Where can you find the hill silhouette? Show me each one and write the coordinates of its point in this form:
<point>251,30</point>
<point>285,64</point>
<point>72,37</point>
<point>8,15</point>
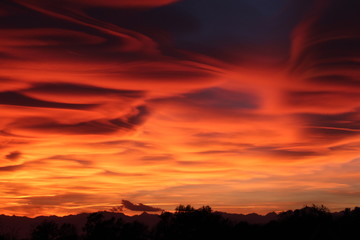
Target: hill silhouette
<point>310,222</point>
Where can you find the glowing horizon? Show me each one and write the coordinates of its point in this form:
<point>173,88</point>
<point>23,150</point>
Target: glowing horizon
<point>245,106</point>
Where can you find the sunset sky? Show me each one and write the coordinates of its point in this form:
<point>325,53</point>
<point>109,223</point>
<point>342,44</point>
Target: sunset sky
<point>243,105</point>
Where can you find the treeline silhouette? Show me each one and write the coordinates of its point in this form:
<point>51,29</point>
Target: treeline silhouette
<point>188,223</point>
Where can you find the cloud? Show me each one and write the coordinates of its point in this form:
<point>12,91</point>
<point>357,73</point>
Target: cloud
<point>80,93</point>
<point>331,127</point>
<point>46,38</point>
<point>283,153</point>
<point>122,174</point>
<point>159,73</point>
<point>337,80</point>
<point>71,158</point>
<point>352,146</point>
<point>278,152</point>
<point>59,199</point>
<point>18,99</point>
<point>321,101</point>
<point>104,126</point>
<point>15,155</point>
<point>155,158</point>
<point>125,3</point>
<point>216,98</point>
<point>11,168</point>
<point>142,112</point>
<point>325,44</point>
<point>99,126</point>
<point>347,120</point>
<point>139,207</point>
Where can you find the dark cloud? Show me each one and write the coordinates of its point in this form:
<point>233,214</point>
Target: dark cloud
<point>18,99</point>
<point>13,155</point>
<point>89,127</point>
<point>101,126</point>
<point>320,94</point>
<point>337,80</point>
<point>47,38</point>
<point>122,174</point>
<point>161,157</point>
<point>278,151</point>
<point>124,3</point>
<point>322,100</point>
<point>139,207</point>
<point>91,35</point>
<point>212,152</point>
<point>335,51</point>
<point>189,24</point>
<point>349,121</point>
<point>142,112</point>
<point>217,98</point>
<point>211,135</point>
<point>126,143</point>
<point>353,146</point>
<point>185,75</point>
<point>327,40</point>
<point>77,89</point>
<point>222,98</point>
<point>12,143</point>
<point>282,152</point>
<point>59,200</point>
<point>329,134</point>
<point>63,29</point>
<point>150,21</point>
<point>11,168</point>
<point>226,28</point>
<point>6,56</point>
<point>190,163</point>
<point>71,158</point>
<point>330,127</point>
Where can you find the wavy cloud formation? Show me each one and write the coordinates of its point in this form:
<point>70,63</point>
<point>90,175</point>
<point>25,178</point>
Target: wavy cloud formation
<point>242,105</point>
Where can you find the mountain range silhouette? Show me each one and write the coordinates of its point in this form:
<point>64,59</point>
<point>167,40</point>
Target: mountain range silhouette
<point>309,222</point>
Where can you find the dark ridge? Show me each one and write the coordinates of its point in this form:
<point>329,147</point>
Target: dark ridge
<point>310,222</point>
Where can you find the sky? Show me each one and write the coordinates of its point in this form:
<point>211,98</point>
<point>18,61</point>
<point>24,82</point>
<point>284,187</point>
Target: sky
<point>243,105</point>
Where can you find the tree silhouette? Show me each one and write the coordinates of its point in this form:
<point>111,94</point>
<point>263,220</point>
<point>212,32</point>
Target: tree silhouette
<point>49,230</point>
<point>97,227</point>
<point>67,232</point>
<point>190,223</point>
<point>134,231</point>
<point>348,223</point>
<point>313,222</point>
<point>7,237</point>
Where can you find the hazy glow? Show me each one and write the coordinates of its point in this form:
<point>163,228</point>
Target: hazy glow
<point>108,100</point>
